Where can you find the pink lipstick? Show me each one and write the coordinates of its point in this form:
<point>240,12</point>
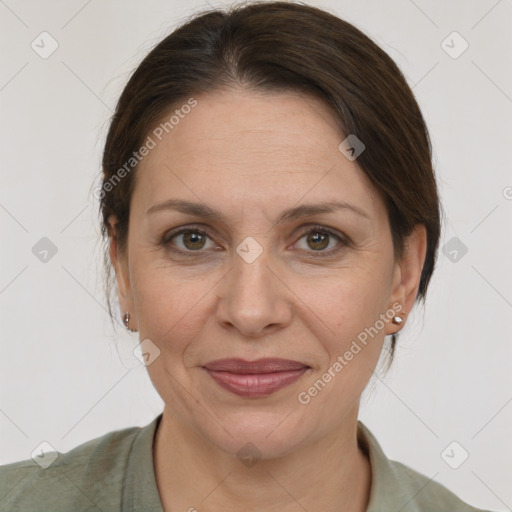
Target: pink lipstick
<point>255,379</point>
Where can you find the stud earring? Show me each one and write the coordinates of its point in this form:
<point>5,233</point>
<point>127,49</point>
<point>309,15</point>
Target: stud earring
<point>397,320</point>
<point>126,320</point>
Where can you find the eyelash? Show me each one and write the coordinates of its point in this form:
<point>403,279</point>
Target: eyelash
<point>166,240</point>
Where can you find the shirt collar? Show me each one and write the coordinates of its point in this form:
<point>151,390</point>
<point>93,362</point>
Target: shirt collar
<point>140,491</point>
<point>388,491</point>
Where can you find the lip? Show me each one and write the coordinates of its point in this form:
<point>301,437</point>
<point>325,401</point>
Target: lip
<point>243,367</point>
<point>255,378</point>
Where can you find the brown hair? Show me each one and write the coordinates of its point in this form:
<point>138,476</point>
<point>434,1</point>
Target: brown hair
<point>283,46</point>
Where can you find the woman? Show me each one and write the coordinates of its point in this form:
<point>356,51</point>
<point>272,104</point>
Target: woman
<point>271,213</point>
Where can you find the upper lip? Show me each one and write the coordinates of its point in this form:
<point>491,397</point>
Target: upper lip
<point>241,366</point>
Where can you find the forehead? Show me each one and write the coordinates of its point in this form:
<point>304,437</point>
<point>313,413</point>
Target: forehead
<point>259,148</point>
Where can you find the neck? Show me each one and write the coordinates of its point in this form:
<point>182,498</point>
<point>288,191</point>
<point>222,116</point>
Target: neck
<point>329,474</point>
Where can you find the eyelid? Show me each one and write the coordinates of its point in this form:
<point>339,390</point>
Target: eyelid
<point>180,230</point>
<point>326,229</point>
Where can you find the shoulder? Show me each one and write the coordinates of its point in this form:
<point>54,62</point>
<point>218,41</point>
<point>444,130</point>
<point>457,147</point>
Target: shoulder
<point>88,477</point>
<point>396,486</point>
<point>426,494</point>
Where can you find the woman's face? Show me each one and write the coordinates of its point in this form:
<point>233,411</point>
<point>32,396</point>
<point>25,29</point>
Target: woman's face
<point>253,283</point>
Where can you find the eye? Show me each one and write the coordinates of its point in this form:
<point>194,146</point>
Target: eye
<point>189,240</point>
<point>319,238</point>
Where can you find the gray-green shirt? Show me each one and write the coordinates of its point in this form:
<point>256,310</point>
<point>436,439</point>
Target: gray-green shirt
<point>115,472</point>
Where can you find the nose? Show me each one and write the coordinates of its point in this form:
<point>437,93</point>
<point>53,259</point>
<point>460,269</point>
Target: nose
<point>253,297</point>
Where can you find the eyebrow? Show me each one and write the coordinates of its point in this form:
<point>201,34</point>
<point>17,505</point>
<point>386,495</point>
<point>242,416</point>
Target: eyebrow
<point>303,210</point>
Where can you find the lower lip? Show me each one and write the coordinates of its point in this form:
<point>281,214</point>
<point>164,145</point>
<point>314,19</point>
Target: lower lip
<point>255,385</point>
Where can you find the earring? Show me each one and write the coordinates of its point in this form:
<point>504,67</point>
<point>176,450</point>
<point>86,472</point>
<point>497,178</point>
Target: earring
<point>397,320</point>
<point>126,320</point>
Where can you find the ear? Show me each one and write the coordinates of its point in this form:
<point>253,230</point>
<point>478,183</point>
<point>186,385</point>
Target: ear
<point>407,275</point>
<point>120,264</point>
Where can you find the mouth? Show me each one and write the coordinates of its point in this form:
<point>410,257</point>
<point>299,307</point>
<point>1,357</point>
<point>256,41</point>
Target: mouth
<point>255,379</point>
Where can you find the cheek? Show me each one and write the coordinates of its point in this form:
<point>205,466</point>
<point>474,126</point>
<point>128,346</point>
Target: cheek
<point>349,301</point>
<point>351,308</point>
<point>169,306</point>
<point>349,325</point>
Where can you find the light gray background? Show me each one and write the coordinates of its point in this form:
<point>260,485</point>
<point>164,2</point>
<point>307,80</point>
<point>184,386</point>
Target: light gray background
<point>67,376</point>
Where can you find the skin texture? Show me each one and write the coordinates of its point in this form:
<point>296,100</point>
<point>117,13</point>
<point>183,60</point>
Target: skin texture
<point>250,156</point>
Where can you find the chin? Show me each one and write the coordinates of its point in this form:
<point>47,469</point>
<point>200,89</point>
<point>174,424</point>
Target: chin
<point>259,435</point>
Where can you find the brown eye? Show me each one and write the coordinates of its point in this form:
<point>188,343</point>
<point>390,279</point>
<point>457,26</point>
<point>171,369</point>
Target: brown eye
<point>186,240</point>
<point>319,239</point>
<point>193,240</point>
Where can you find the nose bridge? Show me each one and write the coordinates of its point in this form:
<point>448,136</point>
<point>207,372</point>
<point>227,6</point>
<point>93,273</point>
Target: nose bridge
<point>252,300</point>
